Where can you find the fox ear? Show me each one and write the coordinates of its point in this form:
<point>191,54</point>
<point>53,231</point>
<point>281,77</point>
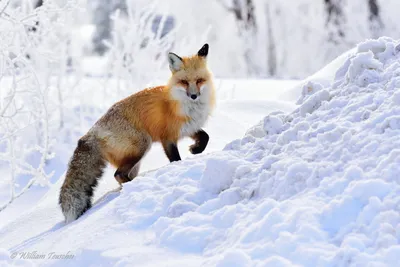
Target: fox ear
<point>203,52</point>
<point>175,62</point>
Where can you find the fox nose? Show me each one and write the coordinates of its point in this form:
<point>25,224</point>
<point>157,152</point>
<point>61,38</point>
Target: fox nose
<point>193,96</point>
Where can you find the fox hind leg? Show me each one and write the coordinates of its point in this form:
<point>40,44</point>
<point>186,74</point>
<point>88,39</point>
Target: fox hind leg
<point>134,171</point>
<point>128,170</point>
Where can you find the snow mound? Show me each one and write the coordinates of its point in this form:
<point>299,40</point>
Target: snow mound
<point>328,175</point>
<point>317,187</point>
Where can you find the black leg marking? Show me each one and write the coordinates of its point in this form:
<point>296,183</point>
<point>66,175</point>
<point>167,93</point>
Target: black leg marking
<point>122,173</point>
<point>171,150</point>
<point>201,140</point>
<point>121,177</point>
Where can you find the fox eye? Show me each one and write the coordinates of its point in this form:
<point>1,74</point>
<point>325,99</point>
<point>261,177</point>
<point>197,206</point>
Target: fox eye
<point>200,80</point>
<point>184,82</point>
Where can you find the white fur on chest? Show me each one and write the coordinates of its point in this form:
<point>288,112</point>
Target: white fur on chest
<point>198,112</point>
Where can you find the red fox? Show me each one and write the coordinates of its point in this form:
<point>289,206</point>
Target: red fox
<point>124,134</point>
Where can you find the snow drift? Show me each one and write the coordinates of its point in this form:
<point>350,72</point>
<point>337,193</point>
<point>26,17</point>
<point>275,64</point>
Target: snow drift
<point>316,187</point>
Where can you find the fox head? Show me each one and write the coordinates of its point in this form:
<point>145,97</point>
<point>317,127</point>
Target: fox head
<point>191,79</point>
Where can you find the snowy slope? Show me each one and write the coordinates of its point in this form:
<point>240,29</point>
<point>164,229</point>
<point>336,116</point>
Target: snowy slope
<point>240,105</point>
<point>316,186</point>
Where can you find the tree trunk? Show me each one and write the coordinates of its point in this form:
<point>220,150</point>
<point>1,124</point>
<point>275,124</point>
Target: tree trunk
<point>335,20</point>
<point>102,11</point>
<point>375,21</point>
<point>244,13</point>
<point>247,28</point>
<point>39,3</point>
<point>247,25</point>
<point>271,52</point>
<point>102,20</point>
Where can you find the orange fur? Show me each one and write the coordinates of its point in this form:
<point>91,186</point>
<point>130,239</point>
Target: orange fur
<point>155,113</point>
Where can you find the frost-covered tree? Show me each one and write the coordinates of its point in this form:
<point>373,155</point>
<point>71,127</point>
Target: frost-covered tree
<point>138,36</point>
<point>271,46</point>
<point>374,17</point>
<point>335,20</point>
<point>101,19</point>
<point>245,18</point>
<point>32,95</point>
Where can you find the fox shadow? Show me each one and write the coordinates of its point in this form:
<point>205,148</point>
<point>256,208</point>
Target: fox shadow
<point>97,205</point>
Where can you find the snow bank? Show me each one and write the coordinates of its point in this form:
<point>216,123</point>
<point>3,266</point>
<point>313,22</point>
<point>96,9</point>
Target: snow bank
<point>317,187</point>
<point>323,77</point>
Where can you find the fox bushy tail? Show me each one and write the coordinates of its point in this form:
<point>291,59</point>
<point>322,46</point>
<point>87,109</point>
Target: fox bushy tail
<point>84,169</point>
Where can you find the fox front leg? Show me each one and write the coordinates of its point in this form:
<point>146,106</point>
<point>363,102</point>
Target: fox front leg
<point>201,140</point>
<point>171,150</point>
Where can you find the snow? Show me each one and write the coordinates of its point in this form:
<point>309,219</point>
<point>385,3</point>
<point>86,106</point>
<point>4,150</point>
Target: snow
<point>311,184</point>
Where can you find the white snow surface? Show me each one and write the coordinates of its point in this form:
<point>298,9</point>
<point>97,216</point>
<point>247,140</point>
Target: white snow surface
<point>314,185</point>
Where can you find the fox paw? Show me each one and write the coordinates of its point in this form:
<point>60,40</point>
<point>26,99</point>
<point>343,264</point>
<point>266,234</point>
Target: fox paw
<point>121,178</point>
<point>196,149</point>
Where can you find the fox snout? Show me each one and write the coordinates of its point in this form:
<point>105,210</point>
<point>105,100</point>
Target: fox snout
<point>192,92</point>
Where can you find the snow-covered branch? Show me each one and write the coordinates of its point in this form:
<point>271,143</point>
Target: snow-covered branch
<point>27,112</point>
